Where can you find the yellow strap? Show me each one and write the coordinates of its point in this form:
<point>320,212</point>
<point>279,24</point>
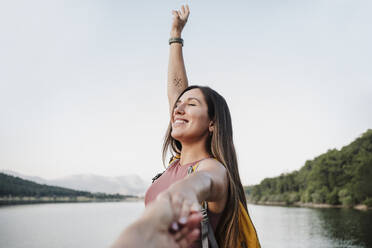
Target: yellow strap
<point>173,160</point>
<point>195,166</point>
<point>247,232</point>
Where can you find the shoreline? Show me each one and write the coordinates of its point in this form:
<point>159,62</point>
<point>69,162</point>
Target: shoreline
<point>360,207</point>
<point>20,200</point>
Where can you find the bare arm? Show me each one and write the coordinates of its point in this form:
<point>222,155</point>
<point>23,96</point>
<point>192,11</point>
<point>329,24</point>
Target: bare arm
<point>209,183</point>
<point>177,78</point>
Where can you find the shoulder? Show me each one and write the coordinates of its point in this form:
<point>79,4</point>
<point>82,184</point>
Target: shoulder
<point>211,164</point>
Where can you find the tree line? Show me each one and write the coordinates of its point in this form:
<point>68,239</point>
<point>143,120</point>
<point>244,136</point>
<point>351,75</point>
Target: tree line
<point>337,177</point>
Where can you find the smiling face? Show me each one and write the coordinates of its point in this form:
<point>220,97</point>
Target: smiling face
<point>190,120</point>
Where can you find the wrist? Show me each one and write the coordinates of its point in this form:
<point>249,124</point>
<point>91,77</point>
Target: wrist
<point>178,188</point>
<point>204,182</point>
<point>175,40</point>
<point>175,34</point>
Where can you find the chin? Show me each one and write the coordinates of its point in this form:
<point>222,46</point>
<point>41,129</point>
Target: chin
<point>177,136</point>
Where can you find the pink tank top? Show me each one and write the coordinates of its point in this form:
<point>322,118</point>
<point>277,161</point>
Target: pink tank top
<point>174,173</point>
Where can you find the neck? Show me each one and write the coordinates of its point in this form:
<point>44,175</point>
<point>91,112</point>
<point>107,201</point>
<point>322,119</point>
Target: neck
<point>193,152</point>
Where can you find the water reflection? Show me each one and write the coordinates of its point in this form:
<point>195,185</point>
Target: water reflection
<point>306,227</point>
<point>96,225</point>
<point>347,227</point>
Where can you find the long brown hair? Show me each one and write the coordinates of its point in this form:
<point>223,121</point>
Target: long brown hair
<point>221,146</point>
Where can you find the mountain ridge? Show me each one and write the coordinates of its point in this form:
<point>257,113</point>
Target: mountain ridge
<point>126,185</point>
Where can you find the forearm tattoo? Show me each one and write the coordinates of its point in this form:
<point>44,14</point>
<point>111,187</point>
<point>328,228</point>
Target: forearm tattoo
<point>178,82</point>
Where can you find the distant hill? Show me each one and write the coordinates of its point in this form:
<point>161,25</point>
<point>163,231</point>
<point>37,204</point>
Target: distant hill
<point>337,177</point>
<point>126,185</point>
<point>11,186</point>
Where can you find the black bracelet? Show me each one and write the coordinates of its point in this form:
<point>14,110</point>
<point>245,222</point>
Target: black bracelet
<point>176,40</point>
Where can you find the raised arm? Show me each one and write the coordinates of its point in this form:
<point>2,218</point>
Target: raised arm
<point>177,78</point>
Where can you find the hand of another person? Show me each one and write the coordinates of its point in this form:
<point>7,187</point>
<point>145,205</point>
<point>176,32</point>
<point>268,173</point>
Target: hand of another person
<point>179,20</point>
<point>186,231</point>
<point>184,201</point>
<point>153,228</point>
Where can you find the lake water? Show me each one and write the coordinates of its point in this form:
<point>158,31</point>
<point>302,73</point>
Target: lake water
<point>98,225</point>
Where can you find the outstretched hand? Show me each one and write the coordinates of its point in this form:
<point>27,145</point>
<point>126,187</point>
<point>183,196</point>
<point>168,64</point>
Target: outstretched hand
<point>178,233</point>
<point>159,227</point>
<point>179,20</point>
<point>183,202</point>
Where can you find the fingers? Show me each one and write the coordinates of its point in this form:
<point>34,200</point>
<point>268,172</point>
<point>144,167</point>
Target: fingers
<point>183,13</point>
<point>183,205</point>
<point>194,220</point>
<point>181,234</point>
<point>174,228</point>
<point>190,211</point>
<point>195,207</point>
<point>186,213</point>
<point>185,210</point>
<point>161,211</point>
<point>189,231</point>
<point>175,13</point>
<point>177,204</point>
<point>180,14</point>
<point>192,236</point>
<point>183,10</point>
<point>187,11</point>
<point>189,238</point>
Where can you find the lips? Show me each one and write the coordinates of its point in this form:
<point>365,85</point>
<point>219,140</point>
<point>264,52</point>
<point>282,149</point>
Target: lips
<point>180,121</point>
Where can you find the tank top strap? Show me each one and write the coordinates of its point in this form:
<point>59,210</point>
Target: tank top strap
<point>194,165</point>
<point>197,163</point>
<point>174,160</point>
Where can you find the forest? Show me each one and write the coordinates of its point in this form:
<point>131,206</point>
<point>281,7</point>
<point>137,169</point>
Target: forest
<point>337,177</point>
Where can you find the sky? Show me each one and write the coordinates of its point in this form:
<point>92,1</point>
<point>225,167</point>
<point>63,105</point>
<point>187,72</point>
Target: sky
<point>83,83</point>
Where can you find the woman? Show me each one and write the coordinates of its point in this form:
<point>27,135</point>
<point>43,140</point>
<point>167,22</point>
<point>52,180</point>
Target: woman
<point>199,133</point>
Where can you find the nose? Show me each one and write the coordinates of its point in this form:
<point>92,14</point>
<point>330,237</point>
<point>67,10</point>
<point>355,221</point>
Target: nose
<point>179,109</point>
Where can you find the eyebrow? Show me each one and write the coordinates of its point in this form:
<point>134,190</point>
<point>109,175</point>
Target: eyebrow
<point>190,98</point>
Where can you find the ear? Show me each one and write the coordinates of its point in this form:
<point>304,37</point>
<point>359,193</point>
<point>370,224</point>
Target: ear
<point>211,126</point>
